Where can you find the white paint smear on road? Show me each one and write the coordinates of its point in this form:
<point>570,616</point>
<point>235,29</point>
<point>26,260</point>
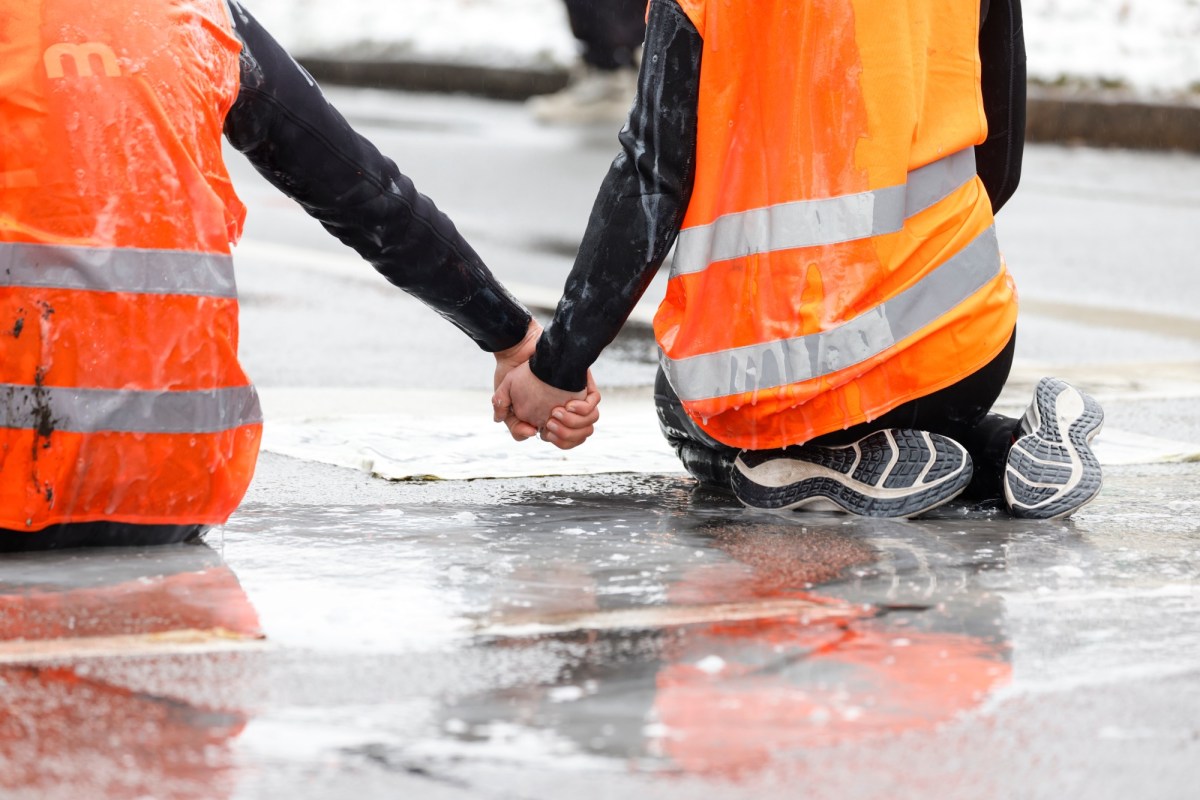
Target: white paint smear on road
<point>443,439</point>
<point>401,435</point>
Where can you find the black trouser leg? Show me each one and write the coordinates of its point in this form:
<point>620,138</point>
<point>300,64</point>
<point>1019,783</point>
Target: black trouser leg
<point>609,30</point>
<point>988,442</point>
<point>960,411</point>
<point>706,459</point>
<point>97,534</point>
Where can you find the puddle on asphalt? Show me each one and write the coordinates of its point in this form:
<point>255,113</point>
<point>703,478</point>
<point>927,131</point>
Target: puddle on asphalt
<point>106,664</point>
<point>643,622</point>
<point>611,623</point>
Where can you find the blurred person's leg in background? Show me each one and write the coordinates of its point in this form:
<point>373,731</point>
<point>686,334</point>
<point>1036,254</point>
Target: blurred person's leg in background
<point>602,86</point>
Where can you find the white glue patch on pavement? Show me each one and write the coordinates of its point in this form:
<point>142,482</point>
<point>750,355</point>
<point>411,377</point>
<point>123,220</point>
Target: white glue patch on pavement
<point>401,435</point>
<point>411,435</point>
<point>1110,384</point>
<point>1119,448</point>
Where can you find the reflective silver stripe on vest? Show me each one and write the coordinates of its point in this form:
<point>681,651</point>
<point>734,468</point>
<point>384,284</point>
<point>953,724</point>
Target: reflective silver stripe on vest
<point>99,269</point>
<point>807,223</point>
<point>787,361</point>
<point>46,408</point>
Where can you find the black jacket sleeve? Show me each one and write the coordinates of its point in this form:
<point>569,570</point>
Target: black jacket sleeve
<point>1002,53</point>
<point>640,205</point>
<point>303,146</point>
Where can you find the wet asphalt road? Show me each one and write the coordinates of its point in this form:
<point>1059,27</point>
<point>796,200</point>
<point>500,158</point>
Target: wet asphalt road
<point>625,635</point>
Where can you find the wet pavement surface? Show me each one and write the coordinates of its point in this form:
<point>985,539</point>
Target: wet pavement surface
<point>627,635</point>
<point>603,635</point>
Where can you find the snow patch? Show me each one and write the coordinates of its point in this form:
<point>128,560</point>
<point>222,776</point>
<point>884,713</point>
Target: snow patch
<point>1150,46</point>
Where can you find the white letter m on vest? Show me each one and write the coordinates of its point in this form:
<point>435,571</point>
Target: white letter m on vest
<point>81,56</point>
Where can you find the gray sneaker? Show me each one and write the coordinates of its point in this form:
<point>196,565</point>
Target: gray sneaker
<point>1051,469</point>
<point>889,473</point>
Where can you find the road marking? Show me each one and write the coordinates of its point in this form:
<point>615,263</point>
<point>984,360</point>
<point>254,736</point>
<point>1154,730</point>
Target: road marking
<point>808,612</point>
<point>181,642</point>
<point>1115,318</point>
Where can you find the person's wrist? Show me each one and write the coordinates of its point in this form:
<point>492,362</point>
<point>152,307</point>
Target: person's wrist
<point>521,352</point>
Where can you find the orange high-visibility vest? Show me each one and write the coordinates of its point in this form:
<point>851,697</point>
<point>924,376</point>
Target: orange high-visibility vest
<point>838,256</point>
<point>121,397</point>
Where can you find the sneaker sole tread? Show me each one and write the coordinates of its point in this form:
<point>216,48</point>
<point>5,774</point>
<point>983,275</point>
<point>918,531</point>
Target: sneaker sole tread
<point>874,477</point>
<point>1052,471</point>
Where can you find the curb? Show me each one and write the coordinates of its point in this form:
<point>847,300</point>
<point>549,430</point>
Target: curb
<point>1075,117</point>
<point>497,83</point>
<point>1112,119</point>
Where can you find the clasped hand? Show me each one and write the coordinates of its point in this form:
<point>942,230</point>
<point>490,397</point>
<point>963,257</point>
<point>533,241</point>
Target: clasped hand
<point>529,407</point>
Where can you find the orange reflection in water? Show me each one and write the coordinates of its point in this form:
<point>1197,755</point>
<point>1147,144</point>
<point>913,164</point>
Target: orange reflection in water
<point>736,697</point>
<point>733,698</point>
<point>205,600</point>
<point>63,734</point>
<point>96,698</point>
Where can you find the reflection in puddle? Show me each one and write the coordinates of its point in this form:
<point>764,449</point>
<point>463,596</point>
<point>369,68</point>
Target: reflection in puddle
<point>608,624</point>
<point>681,688</point>
<point>734,699</point>
<point>674,632</point>
<point>133,723</point>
